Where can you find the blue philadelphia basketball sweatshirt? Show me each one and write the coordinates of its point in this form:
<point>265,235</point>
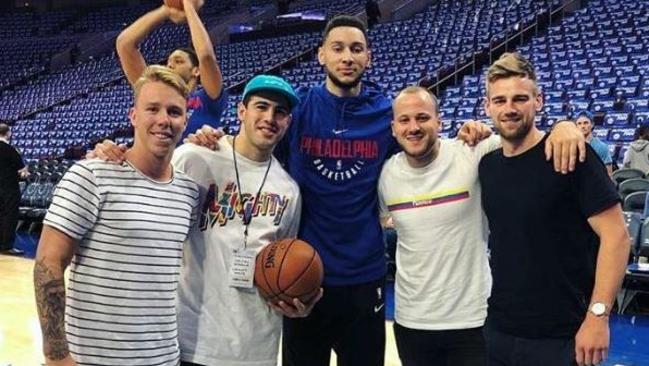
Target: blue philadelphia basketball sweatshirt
<point>335,148</point>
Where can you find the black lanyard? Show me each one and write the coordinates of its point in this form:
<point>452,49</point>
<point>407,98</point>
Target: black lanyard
<point>247,214</point>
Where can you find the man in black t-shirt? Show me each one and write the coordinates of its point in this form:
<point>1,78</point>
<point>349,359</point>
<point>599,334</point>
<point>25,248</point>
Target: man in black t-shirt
<point>11,169</point>
<point>558,242</point>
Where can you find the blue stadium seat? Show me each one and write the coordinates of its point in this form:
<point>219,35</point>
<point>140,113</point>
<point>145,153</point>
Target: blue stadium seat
<point>641,118</point>
<point>603,104</point>
<point>621,134</point>
<point>601,133</point>
<point>596,93</point>
<point>616,119</point>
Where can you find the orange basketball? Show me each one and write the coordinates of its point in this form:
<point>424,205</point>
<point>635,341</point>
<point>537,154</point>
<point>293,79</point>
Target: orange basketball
<point>287,269</point>
<point>178,4</point>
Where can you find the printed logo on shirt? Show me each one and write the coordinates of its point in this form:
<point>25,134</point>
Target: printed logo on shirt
<point>436,198</point>
<point>339,159</point>
<point>222,206</point>
<point>193,103</point>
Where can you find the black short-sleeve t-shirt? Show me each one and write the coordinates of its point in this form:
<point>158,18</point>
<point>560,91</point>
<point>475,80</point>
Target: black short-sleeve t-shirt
<point>543,251</point>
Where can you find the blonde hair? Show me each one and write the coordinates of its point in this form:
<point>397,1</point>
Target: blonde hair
<point>414,89</point>
<point>164,75</point>
<point>511,64</point>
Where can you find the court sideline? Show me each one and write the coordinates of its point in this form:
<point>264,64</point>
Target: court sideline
<point>20,337</point>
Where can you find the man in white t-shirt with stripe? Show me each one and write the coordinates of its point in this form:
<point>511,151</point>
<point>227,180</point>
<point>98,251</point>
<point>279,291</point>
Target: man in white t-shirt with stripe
<point>431,191</point>
<point>120,228</point>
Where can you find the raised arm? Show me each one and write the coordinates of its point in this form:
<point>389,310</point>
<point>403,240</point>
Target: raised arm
<point>211,77</point>
<point>128,41</point>
<point>592,340</point>
<point>54,254</point>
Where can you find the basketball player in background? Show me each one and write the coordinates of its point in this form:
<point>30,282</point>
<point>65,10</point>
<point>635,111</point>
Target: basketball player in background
<point>121,229</point>
<point>197,66</point>
<point>247,201</point>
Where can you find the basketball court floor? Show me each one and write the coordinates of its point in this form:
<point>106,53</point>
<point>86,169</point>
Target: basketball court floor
<point>20,339</point>
<point>20,335</point>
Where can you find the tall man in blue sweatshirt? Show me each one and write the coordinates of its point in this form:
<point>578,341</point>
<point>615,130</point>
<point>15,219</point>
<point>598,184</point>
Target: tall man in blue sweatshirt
<point>338,142</point>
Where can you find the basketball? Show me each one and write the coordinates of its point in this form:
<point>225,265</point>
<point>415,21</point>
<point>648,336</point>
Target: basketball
<point>287,269</point>
<point>178,4</point>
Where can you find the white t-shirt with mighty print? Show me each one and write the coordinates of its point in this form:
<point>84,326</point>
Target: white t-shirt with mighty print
<point>220,324</point>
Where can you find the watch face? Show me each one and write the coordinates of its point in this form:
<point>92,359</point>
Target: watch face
<point>598,308</point>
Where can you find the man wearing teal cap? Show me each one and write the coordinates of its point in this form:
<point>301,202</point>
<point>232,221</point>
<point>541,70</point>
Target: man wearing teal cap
<point>273,84</point>
<point>247,200</point>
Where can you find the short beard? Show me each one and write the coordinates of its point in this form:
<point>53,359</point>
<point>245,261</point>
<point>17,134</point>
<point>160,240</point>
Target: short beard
<point>428,155</point>
<point>518,135</point>
<point>342,85</point>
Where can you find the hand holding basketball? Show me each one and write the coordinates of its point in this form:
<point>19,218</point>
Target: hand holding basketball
<point>180,4</point>
<point>176,9</point>
<point>296,309</point>
<point>286,270</point>
<point>175,4</point>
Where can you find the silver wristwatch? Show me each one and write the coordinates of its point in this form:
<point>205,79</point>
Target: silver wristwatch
<point>598,309</point>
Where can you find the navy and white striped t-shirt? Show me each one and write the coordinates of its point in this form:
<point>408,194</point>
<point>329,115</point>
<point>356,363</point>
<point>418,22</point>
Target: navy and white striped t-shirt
<point>121,296</point>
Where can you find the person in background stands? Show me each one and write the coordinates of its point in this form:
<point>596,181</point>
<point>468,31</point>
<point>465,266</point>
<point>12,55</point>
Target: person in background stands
<point>637,156</point>
<point>12,168</point>
<point>585,123</point>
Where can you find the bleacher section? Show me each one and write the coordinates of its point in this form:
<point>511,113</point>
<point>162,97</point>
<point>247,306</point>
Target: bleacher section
<point>100,112</point>
<point>444,32</point>
<point>404,51</point>
<point>597,59</point>
<point>91,83</point>
<point>28,56</point>
<point>107,19</point>
<point>594,59</point>
<point>17,25</point>
<point>31,24</point>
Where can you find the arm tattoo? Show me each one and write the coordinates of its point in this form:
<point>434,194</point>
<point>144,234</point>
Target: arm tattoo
<point>50,301</point>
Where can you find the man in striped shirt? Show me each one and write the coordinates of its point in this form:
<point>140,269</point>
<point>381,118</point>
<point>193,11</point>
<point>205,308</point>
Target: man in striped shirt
<point>121,229</point>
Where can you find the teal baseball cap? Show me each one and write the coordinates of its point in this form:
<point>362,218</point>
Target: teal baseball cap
<point>274,84</point>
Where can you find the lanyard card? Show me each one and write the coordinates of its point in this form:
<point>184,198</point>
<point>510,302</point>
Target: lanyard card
<point>242,268</point>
